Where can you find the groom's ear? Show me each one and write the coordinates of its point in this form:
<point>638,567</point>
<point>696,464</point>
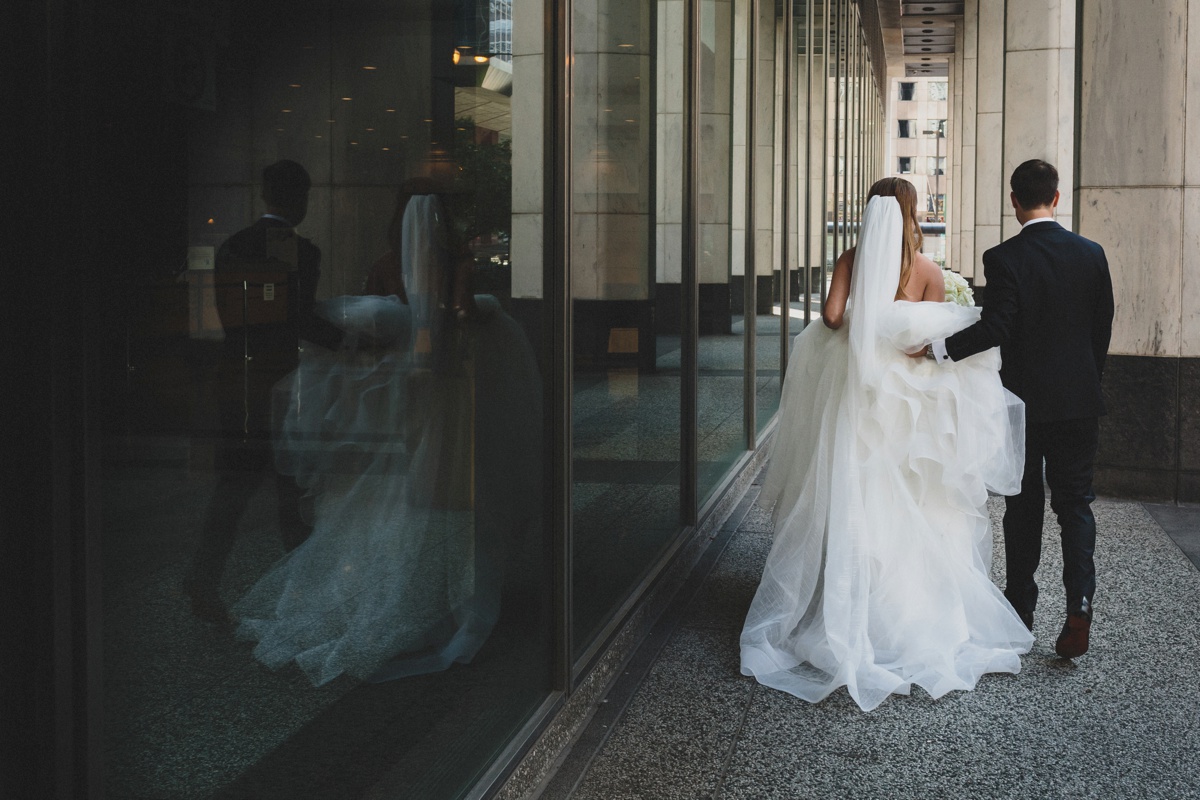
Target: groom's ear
<point>1012,198</point>
<point>1054,202</point>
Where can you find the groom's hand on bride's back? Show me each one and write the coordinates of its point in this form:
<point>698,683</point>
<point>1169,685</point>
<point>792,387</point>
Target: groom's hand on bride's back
<point>920,353</point>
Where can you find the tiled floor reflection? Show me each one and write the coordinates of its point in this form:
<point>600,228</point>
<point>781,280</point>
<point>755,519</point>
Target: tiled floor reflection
<point>189,713</point>
<point>626,468</point>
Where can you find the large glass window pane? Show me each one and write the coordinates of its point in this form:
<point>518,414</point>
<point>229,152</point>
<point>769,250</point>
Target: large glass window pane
<point>721,380</point>
<point>325,565</point>
<point>626,219</point>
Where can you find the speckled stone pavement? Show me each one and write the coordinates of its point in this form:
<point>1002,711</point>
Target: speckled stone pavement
<point>1123,721</point>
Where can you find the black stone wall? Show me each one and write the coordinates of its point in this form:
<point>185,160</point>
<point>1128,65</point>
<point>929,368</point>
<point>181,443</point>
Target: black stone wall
<point>1150,440</point>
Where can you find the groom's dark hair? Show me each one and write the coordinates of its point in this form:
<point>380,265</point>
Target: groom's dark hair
<point>1034,183</point>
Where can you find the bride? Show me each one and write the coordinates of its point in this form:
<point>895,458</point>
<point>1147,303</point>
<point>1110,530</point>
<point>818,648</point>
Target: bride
<point>879,574</point>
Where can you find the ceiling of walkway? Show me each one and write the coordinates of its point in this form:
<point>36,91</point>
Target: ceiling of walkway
<point>919,35</point>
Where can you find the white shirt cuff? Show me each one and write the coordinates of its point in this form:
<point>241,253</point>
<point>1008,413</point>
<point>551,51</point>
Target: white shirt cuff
<point>939,352</point>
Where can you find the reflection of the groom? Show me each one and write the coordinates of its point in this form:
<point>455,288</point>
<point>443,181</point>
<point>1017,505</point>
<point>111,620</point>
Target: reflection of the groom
<point>428,475</point>
<point>266,278</point>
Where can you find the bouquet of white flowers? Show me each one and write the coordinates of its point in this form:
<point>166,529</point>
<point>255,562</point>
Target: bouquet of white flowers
<point>957,289</point>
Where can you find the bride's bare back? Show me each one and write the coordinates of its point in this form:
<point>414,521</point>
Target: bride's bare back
<point>925,283</point>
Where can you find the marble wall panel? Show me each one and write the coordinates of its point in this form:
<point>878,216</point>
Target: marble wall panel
<point>1035,24</point>
<point>586,266</point>
<point>990,54</point>
<point>970,106</point>
<point>528,121</point>
<point>1141,232</point>
<point>668,267</point>
<point>716,56</point>
<point>1189,291</point>
<point>529,27</point>
<point>969,267</point>
<point>986,237</point>
<point>764,250</point>
<point>669,168</point>
<point>623,242</point>
<point>1009,227</point>
<point>737,186</point>
<point>526,255</point>
<point>737,252</point>
<point>1064,159</point>
<point>1192,153</point>
<point>669,58</point>
<point>764,188</point>
<point>1133,93</point>
<point>991,188</point>
<point>1034,99</point>
<point>968,189</point>
<point>715,158</point>
<point>714,253</point>
<point>970,30</point>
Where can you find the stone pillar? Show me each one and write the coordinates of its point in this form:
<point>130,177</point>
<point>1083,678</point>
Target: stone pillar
<point>1139,196</point>
<point>967,264</point>
<point>989,131</point>
<point>954,160</point>
<point>1039,97</point>
<point>528,100</point>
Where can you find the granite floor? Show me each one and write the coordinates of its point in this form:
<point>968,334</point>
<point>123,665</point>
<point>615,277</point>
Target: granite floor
<point>1121,721</point>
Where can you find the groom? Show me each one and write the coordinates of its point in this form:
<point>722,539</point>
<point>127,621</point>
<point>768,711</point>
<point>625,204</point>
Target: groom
<point>1049,307</point>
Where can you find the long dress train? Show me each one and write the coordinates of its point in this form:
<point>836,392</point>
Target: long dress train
<point>878,578</point>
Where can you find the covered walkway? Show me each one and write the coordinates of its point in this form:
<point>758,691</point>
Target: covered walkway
<point>1122,721</point>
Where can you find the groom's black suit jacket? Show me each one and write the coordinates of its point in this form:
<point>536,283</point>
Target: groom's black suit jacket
<point>1048,305</point>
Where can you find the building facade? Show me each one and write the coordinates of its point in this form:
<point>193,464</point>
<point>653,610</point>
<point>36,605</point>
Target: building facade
<point>408,350</point>
<point>378,366</point>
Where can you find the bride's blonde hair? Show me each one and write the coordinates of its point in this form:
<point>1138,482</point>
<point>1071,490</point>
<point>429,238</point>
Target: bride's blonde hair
<point>906,196</point>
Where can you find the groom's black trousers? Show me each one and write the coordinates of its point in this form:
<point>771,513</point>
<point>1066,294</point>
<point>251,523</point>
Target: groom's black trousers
<point>1068,449</point>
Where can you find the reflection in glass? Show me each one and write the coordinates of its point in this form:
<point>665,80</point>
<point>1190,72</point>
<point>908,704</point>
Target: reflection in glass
<point>722,436</point>
<point>625,277</point>
<point>324,558</point>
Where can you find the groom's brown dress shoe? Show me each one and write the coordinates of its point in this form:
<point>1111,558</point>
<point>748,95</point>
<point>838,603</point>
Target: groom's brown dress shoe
<point>1073,641</point>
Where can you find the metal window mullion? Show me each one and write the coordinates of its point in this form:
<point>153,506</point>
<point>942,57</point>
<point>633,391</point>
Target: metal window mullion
<point>785,273</point>
<point>750,269</point>
<point>690,288</point>
<point>557,322</point>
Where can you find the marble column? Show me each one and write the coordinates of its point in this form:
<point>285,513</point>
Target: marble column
<point>669,159</point>
<point>764,150</point>
<point>967,263</point>
<point>955,143</point>
<point>989,130</point>
<point>1138,195</point>
<point>1039,97</point>
<point>528,114</point>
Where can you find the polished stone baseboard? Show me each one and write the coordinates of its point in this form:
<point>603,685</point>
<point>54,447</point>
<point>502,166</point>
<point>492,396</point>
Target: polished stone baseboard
<point>1150,440</point>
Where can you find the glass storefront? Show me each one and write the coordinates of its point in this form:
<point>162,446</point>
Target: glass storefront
<point>421,334</point>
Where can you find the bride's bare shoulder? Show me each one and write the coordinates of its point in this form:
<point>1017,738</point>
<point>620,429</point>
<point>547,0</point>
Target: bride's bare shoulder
<point>928,277</point>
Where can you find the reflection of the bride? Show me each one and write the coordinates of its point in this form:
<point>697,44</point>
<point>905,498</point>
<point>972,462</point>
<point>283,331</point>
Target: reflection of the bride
<point>419,442</point>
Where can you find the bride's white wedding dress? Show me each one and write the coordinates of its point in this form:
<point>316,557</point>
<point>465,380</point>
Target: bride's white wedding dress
<point>879,574</point>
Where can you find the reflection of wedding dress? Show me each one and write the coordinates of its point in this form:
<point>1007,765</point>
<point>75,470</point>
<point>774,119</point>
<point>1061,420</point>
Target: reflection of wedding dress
<point>396,579</point>
<point>878,578</point>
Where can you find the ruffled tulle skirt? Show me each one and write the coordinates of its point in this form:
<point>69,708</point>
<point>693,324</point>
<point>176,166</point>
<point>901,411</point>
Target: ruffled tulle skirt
<point>878,578</point>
